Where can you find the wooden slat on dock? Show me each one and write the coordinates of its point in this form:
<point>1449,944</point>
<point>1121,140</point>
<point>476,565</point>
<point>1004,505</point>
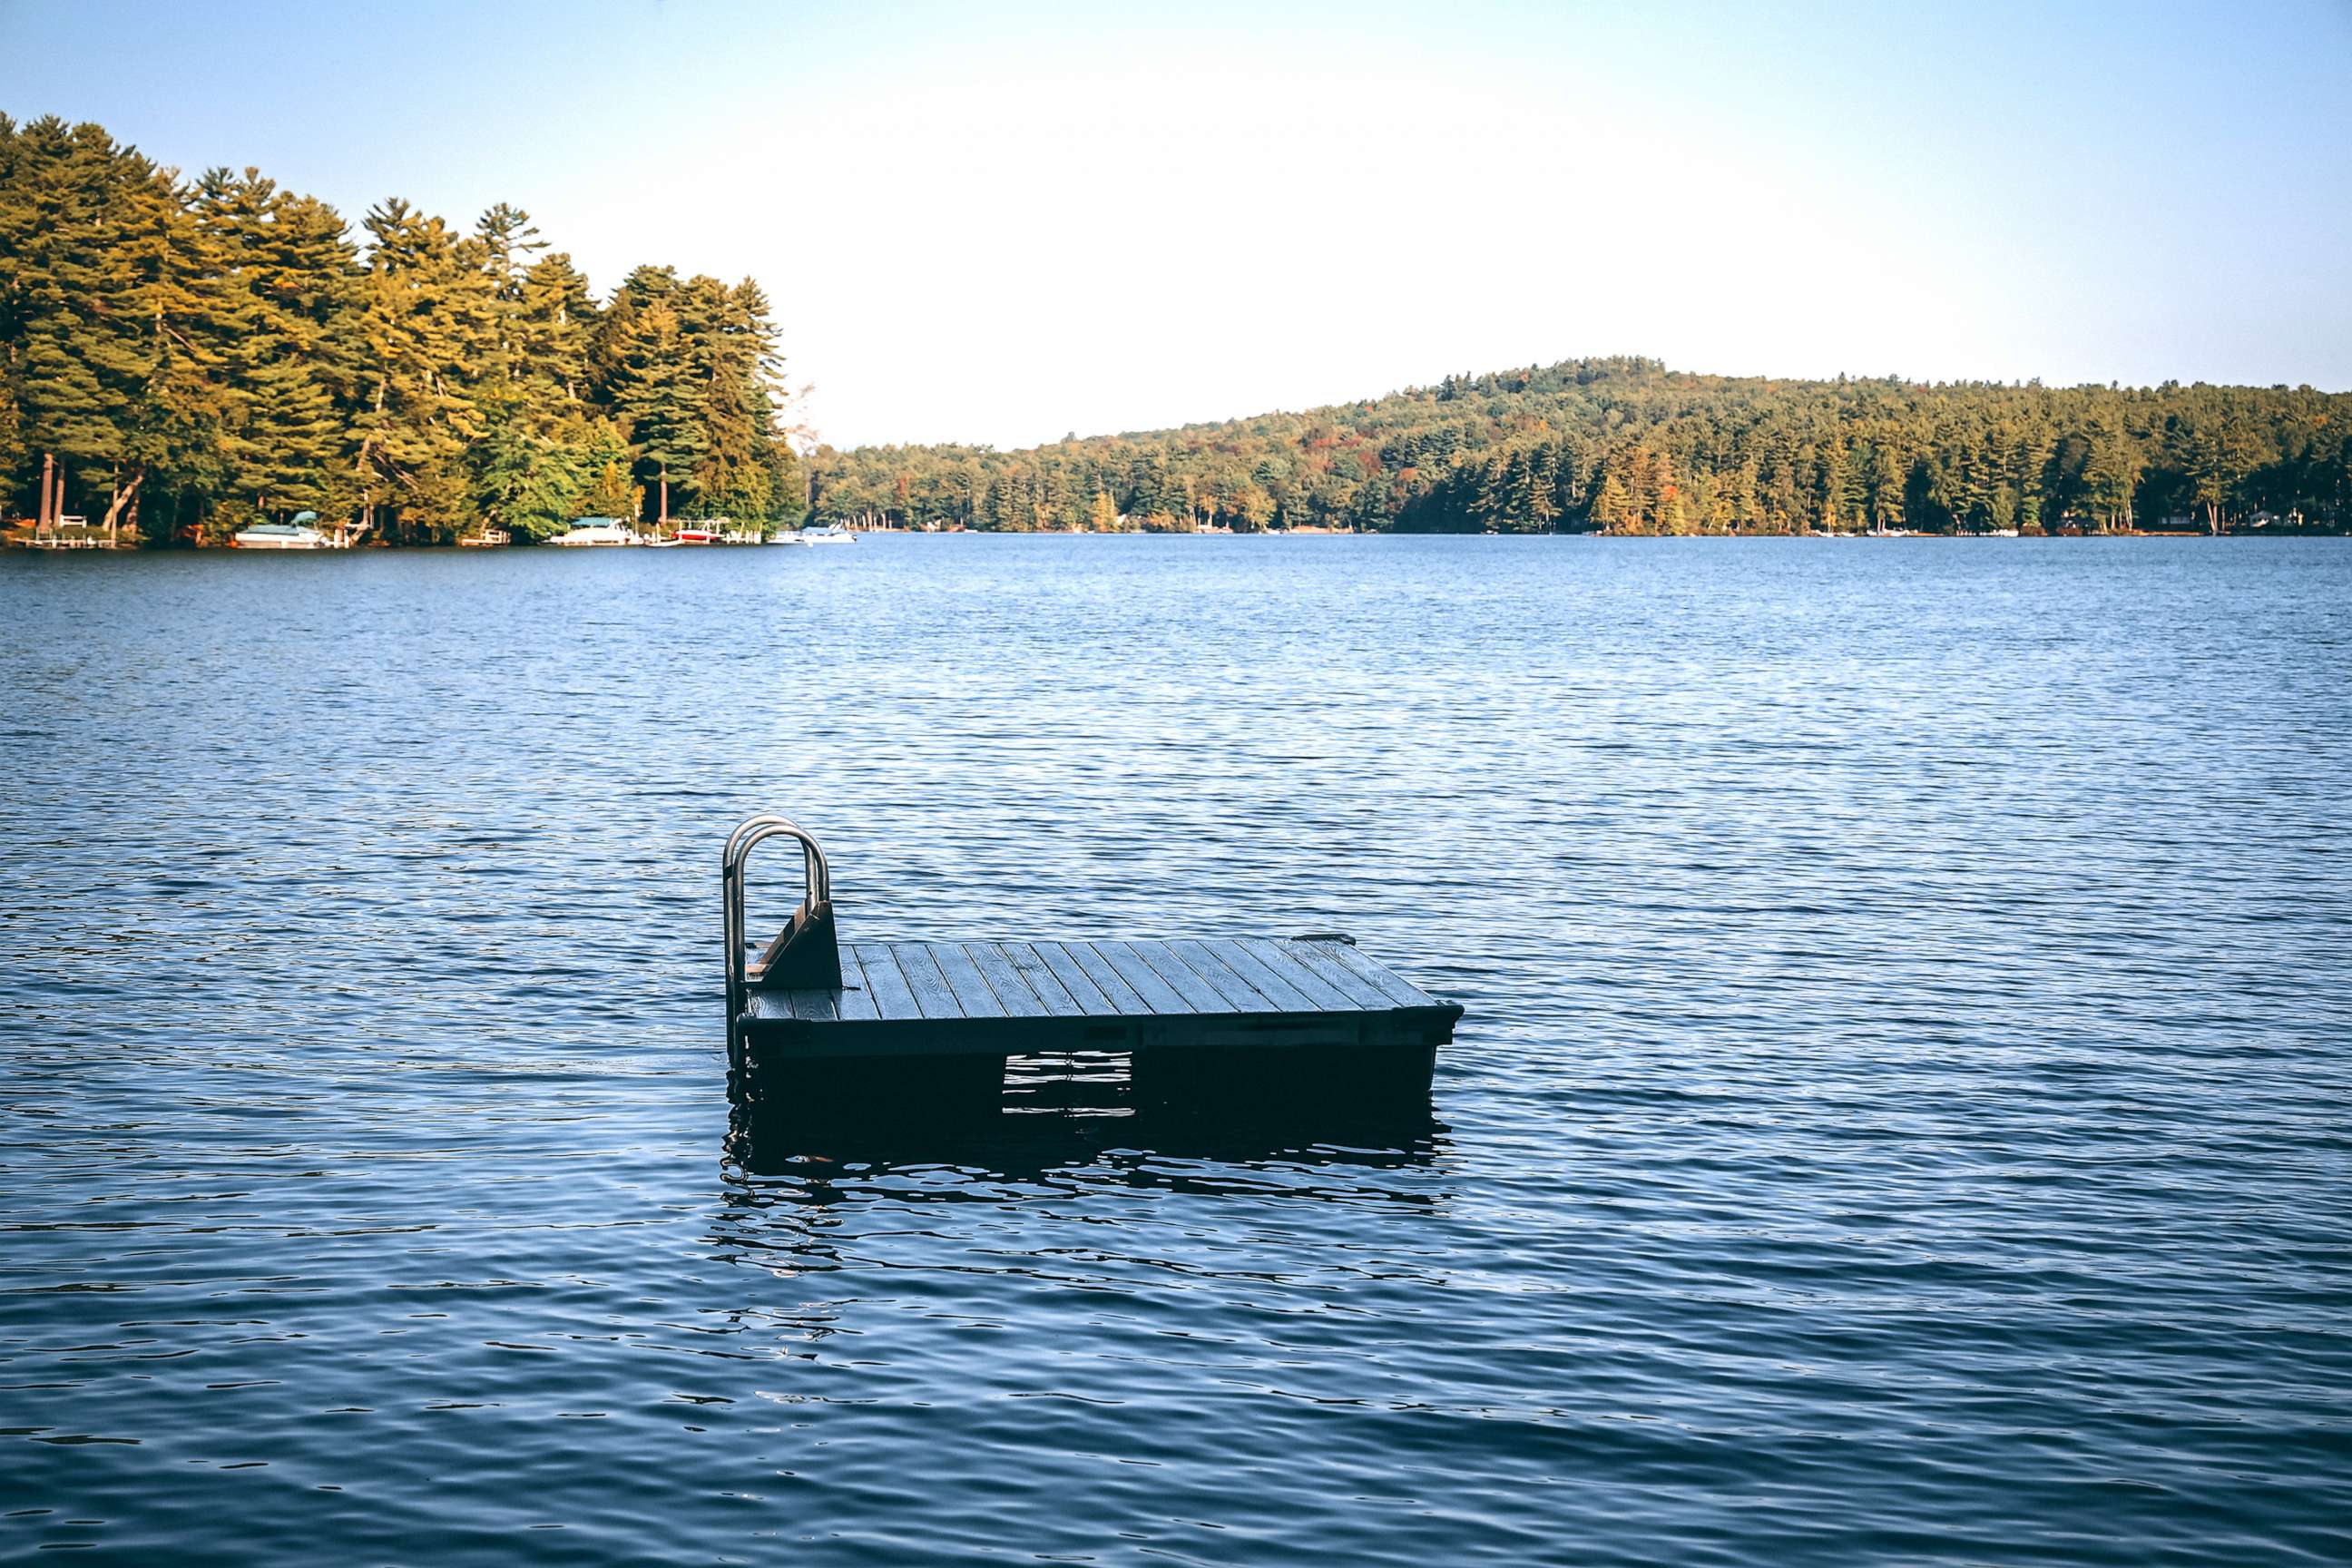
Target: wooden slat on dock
<point>1286,966</point>
<point>1051,989</point>
<point>893,997</point>
<point>857,1002</point>
<point>1014,992</point>
<point>932,996</point>
<point>1159,993</point>
<point>1226,969</point>
<point>1392,987</point>
<point>1314,956</point>
<point>1123,998</point>
<point>972,992</point>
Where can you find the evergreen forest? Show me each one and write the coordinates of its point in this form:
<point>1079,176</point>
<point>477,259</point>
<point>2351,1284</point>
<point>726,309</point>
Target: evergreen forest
<point>184,357</point>
<point>1626,445</point>
<point>188,356</point>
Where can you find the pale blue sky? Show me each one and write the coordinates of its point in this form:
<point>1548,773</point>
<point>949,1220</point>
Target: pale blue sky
<point>1000,224</point>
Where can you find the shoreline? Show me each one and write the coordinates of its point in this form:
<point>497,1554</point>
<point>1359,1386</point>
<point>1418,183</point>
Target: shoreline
<point>19,541</point>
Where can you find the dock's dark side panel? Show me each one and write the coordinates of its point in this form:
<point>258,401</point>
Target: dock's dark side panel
<point>922,1024</point>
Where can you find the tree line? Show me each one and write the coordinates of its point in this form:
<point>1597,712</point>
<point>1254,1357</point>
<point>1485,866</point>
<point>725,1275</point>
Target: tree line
<point>1626,445</point>
<point>187,357</point>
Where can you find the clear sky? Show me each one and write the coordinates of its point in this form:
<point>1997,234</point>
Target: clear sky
<point>1003,222</point>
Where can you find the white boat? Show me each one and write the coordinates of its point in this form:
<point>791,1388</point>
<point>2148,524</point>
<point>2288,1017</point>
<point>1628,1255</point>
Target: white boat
<point>823,533</point>
<point>597,530</point>
<point>295,535</point>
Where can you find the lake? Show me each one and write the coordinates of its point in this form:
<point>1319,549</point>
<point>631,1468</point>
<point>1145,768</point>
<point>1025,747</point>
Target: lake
<point>1904,1110</point>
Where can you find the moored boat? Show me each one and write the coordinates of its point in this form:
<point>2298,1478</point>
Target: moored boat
<point>823,533</point>
<point>592,531</point>
<point>295,535</point>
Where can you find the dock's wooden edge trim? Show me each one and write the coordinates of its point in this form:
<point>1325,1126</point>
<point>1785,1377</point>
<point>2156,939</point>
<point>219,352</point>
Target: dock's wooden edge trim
<point>1400,1028</point>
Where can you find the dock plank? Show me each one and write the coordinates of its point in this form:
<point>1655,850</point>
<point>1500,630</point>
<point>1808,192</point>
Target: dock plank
<point>933,996</point>
<point>1019,998</point>
<point>814,1007</point>
<point>1074,961</point>
<point>856,1001</point>
<point>1399,992</point>
<point>1049,987</point>
<point>972,989</point>
<point>1263,978</point>
<point>1316,956</point>
<point>1222,977</point>
<point>1318,991</point>
<point>893,997</point>
<point>1199,993</point>
<point>1146,982</point>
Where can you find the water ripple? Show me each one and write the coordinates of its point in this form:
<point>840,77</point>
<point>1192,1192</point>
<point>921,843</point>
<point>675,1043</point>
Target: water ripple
<point>1901,1115</point>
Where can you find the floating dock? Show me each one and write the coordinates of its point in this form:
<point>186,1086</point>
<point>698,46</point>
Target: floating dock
<point>809,1014</point>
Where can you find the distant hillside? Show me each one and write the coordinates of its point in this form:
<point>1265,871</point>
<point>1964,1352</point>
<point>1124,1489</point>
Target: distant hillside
<point>1627,446</point>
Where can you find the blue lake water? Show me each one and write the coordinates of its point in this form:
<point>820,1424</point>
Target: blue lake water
<point>1904,1111</point>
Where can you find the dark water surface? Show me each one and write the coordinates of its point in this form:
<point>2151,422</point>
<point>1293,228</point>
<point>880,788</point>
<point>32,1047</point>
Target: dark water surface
<point>1902,1112</point>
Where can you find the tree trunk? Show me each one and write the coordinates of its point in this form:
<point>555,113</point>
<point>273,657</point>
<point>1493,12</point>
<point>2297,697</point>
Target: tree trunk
<point>41,517</point>
<point>661,521</point>
<point>121,498</point>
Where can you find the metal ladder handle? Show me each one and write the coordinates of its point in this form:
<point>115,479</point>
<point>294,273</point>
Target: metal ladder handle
<point>753,829</point>
<point>731,893</point>
<point>738,846</point>
<point>815,872</point>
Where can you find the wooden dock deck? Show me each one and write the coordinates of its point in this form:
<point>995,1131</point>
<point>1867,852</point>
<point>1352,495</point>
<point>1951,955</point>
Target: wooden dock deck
<point>948,999</point>
<point>810,1015</point>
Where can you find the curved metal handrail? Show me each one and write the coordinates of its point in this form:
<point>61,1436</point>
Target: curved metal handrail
<point>730,892</point>
<point>748,835</point>
<point>814,871</point>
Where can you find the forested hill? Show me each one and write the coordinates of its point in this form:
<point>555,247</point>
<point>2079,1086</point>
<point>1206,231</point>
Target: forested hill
<point>194,354</point>
<point>1627,446</point>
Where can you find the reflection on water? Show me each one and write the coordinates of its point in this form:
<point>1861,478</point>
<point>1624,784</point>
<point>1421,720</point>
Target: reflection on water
<point>1072,1119</point>
<point>827,1198</point>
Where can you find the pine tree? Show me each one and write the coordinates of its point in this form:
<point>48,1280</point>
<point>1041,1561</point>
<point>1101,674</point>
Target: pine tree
<point>1612,505</point>
<point>424,334</point>
<point>1889,479</point>
<point>556,323</point>
<point>121,318</point>
<point>1829,491</point>
<point>733,345</point>
<point>651,381</point>
<point>288,367</point>
<point>542,449</point>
